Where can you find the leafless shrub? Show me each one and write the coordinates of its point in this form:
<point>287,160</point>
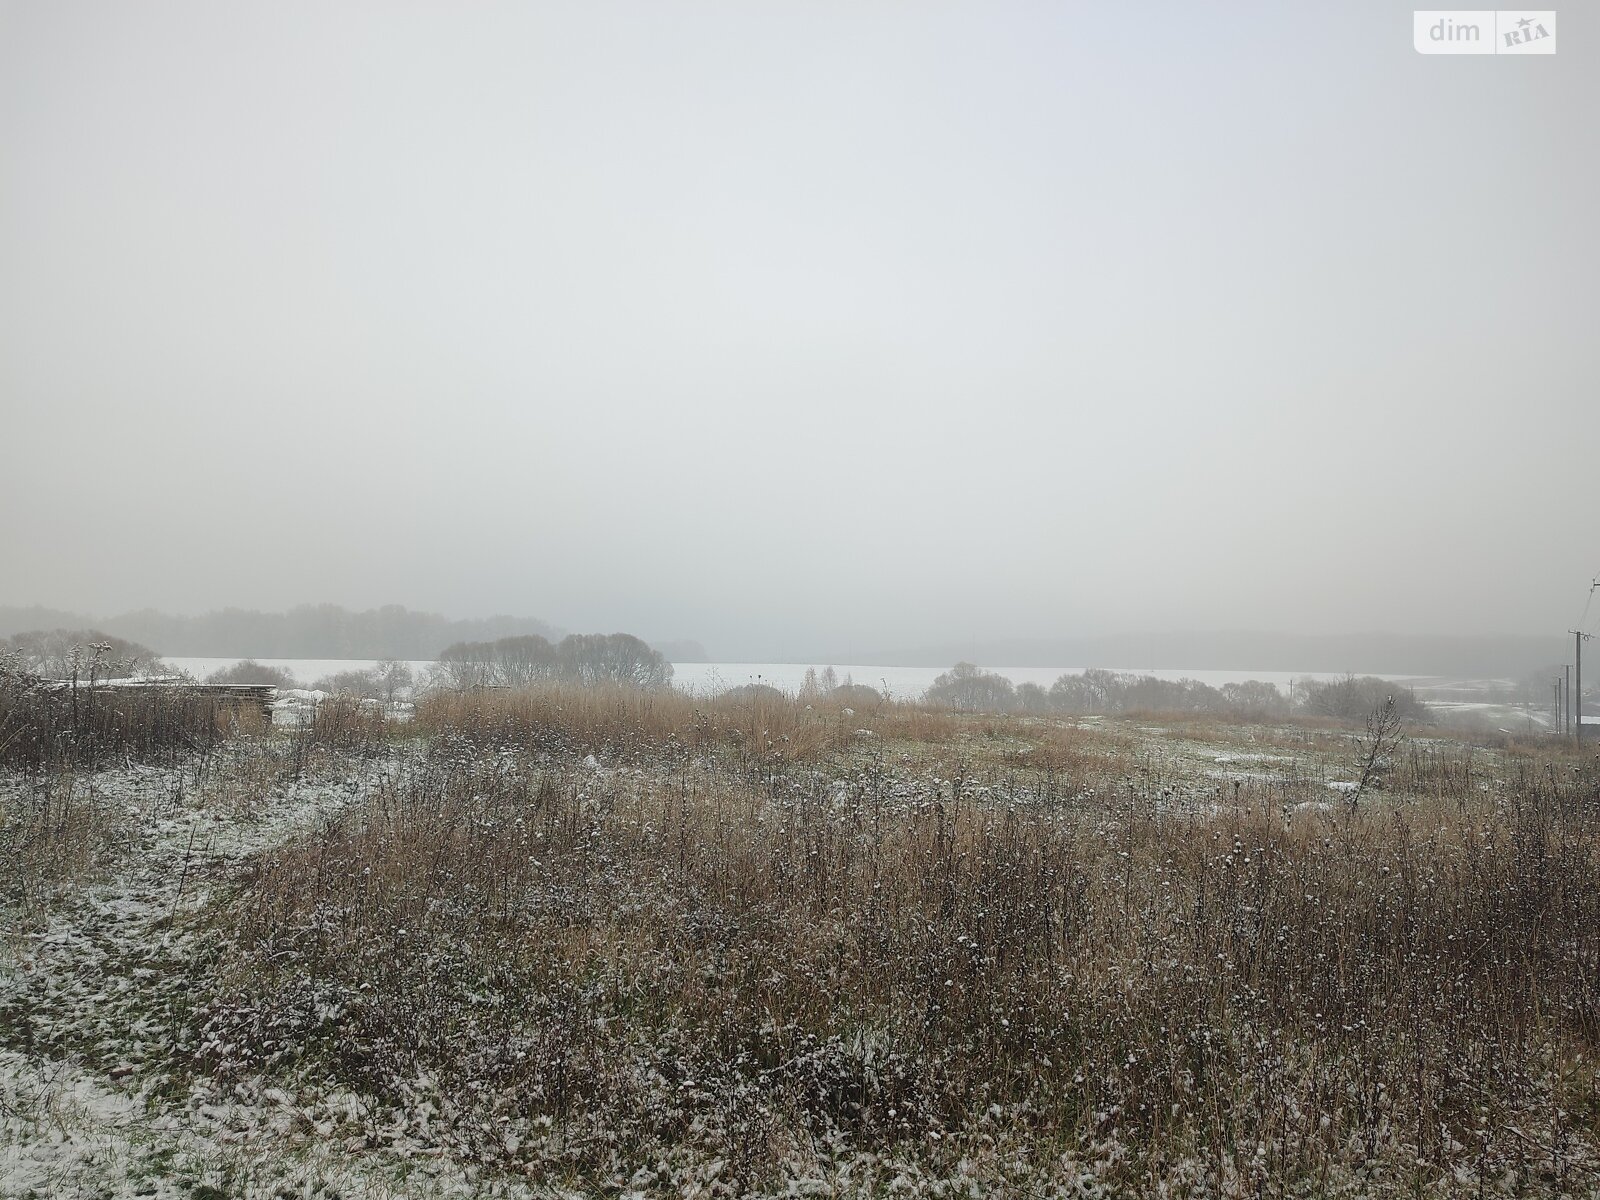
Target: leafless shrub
<point>250,671</point>
<point>1376,748</point>
<point>359,684</point>
<point>968,688</point>
<point>591,660</point>
<point>1354,698</point>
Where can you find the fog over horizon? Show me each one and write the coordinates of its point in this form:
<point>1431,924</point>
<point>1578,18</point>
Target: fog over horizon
<point>800,328</point>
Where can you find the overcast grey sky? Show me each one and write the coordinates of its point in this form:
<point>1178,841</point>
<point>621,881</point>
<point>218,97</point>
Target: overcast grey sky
<point>799,324</point>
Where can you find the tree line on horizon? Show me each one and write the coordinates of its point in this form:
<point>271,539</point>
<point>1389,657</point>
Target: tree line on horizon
<point>969,688</point>
<point>305,631</point>
<point>588,659</point>
<point>621,659</point>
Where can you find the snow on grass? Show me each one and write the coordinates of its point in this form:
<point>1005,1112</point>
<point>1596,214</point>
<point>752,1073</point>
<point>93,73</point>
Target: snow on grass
<point>106,1086</point>
<point>94,1097</point>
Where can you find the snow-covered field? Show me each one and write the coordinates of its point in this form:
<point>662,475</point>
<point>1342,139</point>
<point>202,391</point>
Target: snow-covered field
<point>91,1102</point>
<point>136,1046</point>
<point>97,1098</point>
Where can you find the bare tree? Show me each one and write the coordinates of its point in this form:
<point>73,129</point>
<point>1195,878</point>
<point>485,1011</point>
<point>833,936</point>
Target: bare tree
<point>591,658</point>
<point>250,671</point>
<point>394,677</point>
<point>524,661</point>
<point>1375,748</point>
<point>464,665</point>
<point>970,688</point>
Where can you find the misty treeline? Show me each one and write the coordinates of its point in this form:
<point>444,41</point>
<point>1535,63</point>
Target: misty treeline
<point>581,658</point>
<point>513,662</point>
<point>848,692</point>
<point>389,680</point>
<point>969,688</point>
<point>78,653</point>
<point>307,631</point>
<point>823,685</point>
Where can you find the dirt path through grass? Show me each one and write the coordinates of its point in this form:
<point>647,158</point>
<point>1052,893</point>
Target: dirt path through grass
<point>94,1100</point>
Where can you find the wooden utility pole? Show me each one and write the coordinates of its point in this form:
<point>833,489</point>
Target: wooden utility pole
<point>1569,697</point>
<point>1578,638</point>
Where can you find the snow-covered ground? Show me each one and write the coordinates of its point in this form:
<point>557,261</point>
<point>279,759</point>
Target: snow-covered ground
<point>90,1104</point>
<point>97,1094</point>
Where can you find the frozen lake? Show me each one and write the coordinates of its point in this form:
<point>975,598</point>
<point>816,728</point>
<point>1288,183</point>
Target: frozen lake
<point>706,679</point>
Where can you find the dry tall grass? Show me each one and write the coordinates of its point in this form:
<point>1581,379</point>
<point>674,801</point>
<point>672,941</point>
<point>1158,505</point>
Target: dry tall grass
<point>986,968</point>
<point>50,832</point>
<point>43,725</point>
<point>604,720</point>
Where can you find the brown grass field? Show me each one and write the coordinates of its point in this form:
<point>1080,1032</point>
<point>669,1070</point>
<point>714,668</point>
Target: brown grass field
<point>607,942</point>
